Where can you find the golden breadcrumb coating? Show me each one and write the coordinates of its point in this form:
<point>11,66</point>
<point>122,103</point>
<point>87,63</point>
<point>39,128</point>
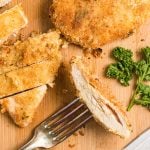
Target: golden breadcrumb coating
<point>32,50</point>
<point>11,22</point>
<point>23,106</point>
<point>31,76</point>
<point>93,23</point>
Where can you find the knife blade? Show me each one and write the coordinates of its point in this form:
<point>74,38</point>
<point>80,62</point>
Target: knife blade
<point>140,143</point>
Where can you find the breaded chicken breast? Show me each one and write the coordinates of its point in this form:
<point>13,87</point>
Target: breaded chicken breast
<point>106,110</point>
<point>31,76</point>
<point>93,23</point>
<point>11,22</point>
<point>30,51</point>
<point>23,106</point>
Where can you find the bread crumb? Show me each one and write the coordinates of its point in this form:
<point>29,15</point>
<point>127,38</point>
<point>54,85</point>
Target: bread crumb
<point>142,40</point>
<point>71,145</point>
<point>97,52</point>
<point>81,133</point>
<point>87,53</point>
<point>64,91</point>
<point>75,134</point>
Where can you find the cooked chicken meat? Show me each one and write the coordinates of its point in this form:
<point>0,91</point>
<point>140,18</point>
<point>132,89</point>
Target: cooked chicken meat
<point>11,22</point>
<point>31,51</point>
<point>31,76</point>
<point>99,100</point>
<point>93,23</point>
<point>23,106</point>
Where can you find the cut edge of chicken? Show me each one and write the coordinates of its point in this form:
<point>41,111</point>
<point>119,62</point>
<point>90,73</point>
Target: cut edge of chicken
<point>104,110</point>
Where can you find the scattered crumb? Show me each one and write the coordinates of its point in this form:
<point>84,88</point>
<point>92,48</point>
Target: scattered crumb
<point>71,145</point>
<point>81,133</point>
<point>64,91</point>
<point>75,134</point>
<point>129,33</point>
<point>87,53</point>
<point>142,40</point>
<point>97,52</point>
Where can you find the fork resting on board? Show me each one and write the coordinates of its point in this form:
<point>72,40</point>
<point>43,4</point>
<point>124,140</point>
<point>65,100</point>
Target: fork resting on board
<point>59,126</point>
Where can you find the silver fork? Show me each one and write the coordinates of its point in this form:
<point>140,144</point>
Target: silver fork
<point>59,126</point>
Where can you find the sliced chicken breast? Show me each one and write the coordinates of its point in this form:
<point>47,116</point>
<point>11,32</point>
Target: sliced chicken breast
<point>31,51</point>
<point>23,106</point>
<point>30,76</point>
<point>93,23</point>
<point>99,100</point>
<point>11,22</point>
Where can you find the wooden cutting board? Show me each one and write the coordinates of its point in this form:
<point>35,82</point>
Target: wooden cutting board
<point>92,137</point>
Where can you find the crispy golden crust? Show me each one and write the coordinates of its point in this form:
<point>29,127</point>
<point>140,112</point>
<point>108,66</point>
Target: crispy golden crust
<point>31,51</point>
<point>92,23</point>
<point>99,86</point>
<point>22,107</point>
<point>30,76</point>
<point>11,21</point>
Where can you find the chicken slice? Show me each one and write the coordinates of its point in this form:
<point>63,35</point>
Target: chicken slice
<point>30,76</point>
<point>22,107</point>
<point>99,100</point>
<point>11,22</point>
<point>31,51</point>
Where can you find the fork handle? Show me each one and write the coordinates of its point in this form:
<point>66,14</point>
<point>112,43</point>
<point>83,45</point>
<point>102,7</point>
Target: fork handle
<point>32,144</point>
<point>29,146</point>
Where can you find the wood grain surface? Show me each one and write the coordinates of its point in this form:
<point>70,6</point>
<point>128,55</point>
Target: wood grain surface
<point>92,137</point>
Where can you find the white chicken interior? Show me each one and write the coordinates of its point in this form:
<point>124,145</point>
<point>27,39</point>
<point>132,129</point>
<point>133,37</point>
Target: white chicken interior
<point>102,109</point>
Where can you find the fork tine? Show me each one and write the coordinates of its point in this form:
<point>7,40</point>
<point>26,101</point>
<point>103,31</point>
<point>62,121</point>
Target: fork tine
<point>52,117</point>
<point>70,132</point>
<point>58,122</point>
<point>60,130</point>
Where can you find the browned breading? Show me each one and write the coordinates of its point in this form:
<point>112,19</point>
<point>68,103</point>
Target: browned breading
<point>22,107</point>
<point>92,23</point>
<point>11,22</point>
<point>31,76</point>
<point>103,98</point>
<point>30,51</point>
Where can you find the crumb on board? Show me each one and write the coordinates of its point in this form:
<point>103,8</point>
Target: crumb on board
<point>81,133</point>
<point>71,145</point>
<point>142,40</point>
<point>64,91</point>
<point>75,134</point>
<point>97,52</point>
